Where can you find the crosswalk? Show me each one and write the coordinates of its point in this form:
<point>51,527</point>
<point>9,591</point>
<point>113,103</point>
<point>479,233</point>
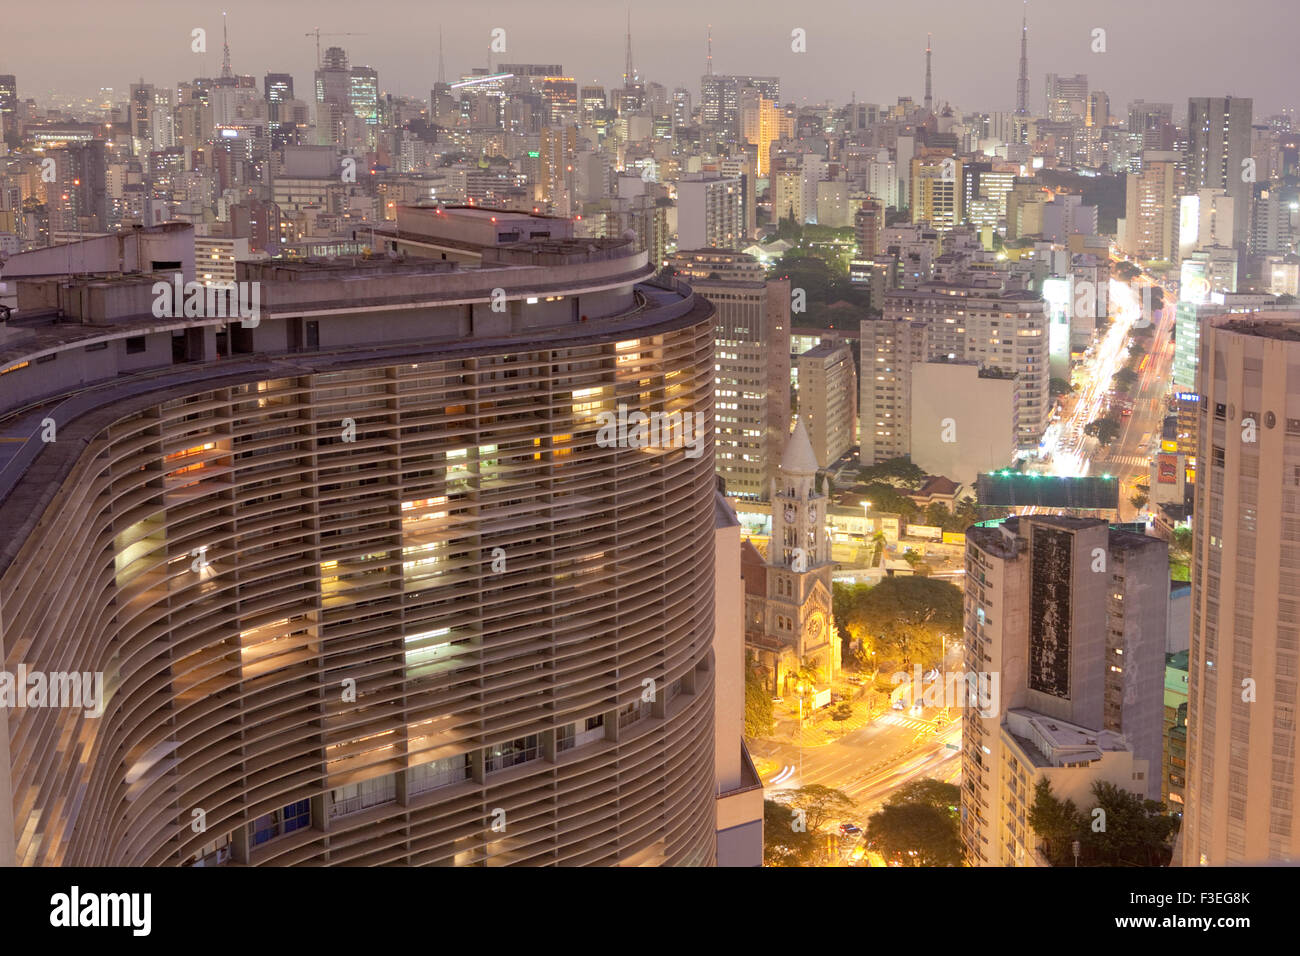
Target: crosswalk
<point>913,723</point>
<point>1127,460</point>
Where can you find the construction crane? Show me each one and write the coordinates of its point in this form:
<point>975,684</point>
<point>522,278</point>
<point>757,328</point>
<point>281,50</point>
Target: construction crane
<point>317,34</point>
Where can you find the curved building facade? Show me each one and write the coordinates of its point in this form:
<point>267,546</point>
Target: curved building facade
<point>365,583</point>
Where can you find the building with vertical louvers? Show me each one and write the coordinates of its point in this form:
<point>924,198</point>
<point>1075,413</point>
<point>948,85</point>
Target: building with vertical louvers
<point>364,585</point>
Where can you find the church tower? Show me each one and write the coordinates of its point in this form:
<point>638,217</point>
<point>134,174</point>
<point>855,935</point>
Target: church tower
<point>799,562</point>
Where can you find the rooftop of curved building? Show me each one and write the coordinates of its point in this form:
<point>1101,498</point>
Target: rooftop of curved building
<point>117,353</point>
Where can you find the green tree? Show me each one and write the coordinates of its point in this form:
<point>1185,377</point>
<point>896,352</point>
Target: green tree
<point>937,514</point>
<point>1056,823</point>
<point>758,704</point>
<point>783,843</point>
<point>929,791</point>
<point>1105,430</point>
<point>789,229</point>
<point>1183,539</point>
<point>846,601</point>
<point>1138,501</point>
<point>821,805</point>
<point>1060,386</point>
<point>898,472</point>
<point>1133,831</point>
<point>886,499</point>
<point>911,615</point>
<point>919,825</point>
<point>1128,271</point>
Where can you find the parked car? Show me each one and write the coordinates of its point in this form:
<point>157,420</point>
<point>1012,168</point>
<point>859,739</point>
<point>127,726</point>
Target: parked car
<point>849,829</point>
<point>899,705</point>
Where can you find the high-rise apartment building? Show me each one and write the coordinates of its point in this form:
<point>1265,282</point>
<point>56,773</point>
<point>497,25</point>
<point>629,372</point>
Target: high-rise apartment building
<point>1218,152</point>
<point>1270,226</point>
<point>1070,615</point>
<point>720,97</point>
<point>937,189</point>
<point>760,124</point>
<point>333,96</point>
<point>370,591</point>
<point>889,349</point>
<point>140,114</point>
<point>1150,227</point>
<point>1245,640</point>
<point>8,99</point>
<point>828,400</point>
<point>557,152</point>
<point>752,338</point>
<point>981,323</point>
<point>1152,122</point>
<point>1067,98</point>
<point>363,99</point>
<point>868,221</point>
<point>710,211</point>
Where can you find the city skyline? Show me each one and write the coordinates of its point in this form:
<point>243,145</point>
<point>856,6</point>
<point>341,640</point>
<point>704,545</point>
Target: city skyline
<point>974,53</point>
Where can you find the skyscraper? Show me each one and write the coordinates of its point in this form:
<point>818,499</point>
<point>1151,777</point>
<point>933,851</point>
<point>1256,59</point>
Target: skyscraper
<point>720,97</point>
<point>710,211</point>
<point>752,326</point>
<point>1150,227</point>
<point>1067,98</point>
<point>333,96</point>
<point>1218,153</point>
<point>936,189</point>
<point>828,400</point>
<point>1070,615</point>
<point>8,98</point>
<point>395,600</point>
<point>1245,642</point>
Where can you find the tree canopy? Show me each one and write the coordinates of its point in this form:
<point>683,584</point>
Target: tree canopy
<point>795,834</point>
<point>1105,430</point>
<point>906,618</point>
<point>899,472</point>
<point>758,705</point>
<point>919,825</point>
<point>1129,831</point>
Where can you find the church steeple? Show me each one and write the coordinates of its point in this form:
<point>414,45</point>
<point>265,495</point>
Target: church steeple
<point>799,540</point>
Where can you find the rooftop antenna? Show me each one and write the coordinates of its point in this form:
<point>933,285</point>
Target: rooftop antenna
<point>226,72</point>
<point>629,74</point>
<point>710,62</point>
<point>442,70</point>
<point>1022,84</point>
<point>929,100</point>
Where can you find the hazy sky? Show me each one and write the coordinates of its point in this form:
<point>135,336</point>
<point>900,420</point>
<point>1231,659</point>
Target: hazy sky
<point>1163,50</point>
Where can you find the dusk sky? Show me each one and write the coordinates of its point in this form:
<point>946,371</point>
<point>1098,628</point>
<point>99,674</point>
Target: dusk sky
<point>1164,50</point>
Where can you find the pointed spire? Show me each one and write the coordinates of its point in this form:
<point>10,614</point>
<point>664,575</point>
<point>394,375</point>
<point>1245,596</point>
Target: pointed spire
<point>929,99</point>
<point>226,72</point>
<point>1022,84</point>
<point>798,457</point>
<point>629,77</point>
<point>709,66</point>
